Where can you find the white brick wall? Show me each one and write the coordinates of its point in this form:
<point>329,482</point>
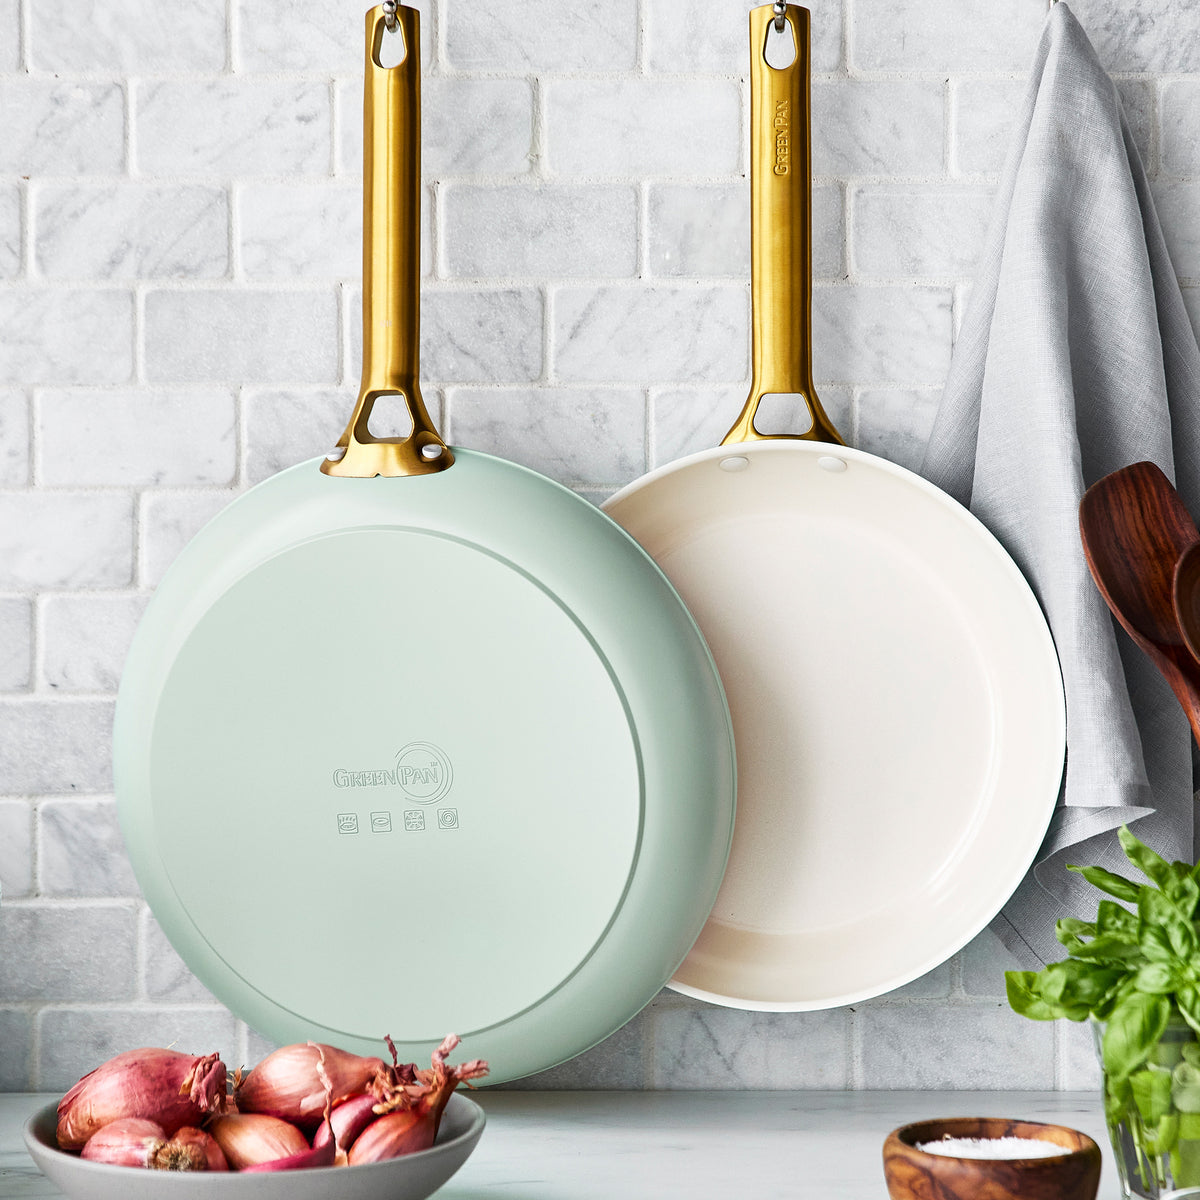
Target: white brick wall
<point>179,295</point>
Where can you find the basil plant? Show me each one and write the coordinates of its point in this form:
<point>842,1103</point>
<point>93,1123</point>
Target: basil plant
<point>1135,969</point>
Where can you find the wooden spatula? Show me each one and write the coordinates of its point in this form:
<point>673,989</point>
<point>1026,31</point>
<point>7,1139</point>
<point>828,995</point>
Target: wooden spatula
<point>1135,530</point>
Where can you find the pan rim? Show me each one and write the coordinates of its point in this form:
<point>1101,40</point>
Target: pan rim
<point>1045,666</point>
<point>622,998</point>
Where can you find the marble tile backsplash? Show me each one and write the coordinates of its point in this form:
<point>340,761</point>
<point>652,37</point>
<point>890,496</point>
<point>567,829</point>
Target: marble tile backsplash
<point>180,225</point>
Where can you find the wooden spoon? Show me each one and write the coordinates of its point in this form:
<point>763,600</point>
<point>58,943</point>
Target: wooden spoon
<point>1187,598</point>
<point>1135,529</point>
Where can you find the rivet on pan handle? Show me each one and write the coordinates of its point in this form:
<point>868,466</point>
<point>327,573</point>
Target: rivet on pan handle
<point>391,262</point>
<point>781,230</point>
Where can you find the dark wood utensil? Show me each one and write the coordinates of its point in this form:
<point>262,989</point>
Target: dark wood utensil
<point>1135,530</point>
<point>914,1174</point>
<point>1187,598</point>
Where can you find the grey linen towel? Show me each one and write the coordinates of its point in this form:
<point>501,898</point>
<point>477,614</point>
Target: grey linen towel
<point>1076,357</point>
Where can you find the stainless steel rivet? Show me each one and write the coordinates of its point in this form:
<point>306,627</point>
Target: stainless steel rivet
<point>828,463</point>
<point>734,463</point>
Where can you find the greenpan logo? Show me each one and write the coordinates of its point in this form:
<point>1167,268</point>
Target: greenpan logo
<point>423,772</point>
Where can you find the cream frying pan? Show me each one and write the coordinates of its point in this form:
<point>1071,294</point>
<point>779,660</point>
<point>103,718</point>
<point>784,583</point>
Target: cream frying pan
<point>896,697</point>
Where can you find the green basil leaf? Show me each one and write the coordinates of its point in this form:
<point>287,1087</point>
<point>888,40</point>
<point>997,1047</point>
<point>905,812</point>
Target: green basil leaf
<point>1185,1086</point>
<point>1077,986</point>
<point>1132,1030</point>
<point>1152,1093</point>
<point>1187,1000</point>
<point>1183,890</point>
<point>1108,948</point>
<point>1149,862</point>
<point>1191,1054</point>
<point>1161,1138</point>
<point>1118,1096</point>
<point>1025,997</point>
<point>1072,927</point>
<point>1112,917</point>
<point>1162,928</point>
<point>1106,881</point>
<point>1157,978</point>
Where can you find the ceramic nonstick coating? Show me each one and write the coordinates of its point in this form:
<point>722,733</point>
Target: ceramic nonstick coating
<point>896,697</point>
<point>426,753</point>
<point>897,711</point>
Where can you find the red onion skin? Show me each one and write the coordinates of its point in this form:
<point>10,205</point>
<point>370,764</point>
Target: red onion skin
<point>247,1139</point>
<point>164,1086</point>
<point>286,1085</point>
<point>188,1146</point>
<point>130,1142</point>
<point>347,1121</point>
<point>413,1111</point>
<point>392,1135</point>
<point>318,1156</point>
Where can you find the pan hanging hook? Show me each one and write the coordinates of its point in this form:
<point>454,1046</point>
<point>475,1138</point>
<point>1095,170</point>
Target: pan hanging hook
<point>780,15</point>
<point>389,15</point>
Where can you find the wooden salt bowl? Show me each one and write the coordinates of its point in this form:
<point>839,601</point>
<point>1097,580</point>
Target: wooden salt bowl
<point>914,1174</point>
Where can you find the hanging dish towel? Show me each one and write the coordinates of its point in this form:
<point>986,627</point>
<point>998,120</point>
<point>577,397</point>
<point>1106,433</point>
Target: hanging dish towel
<point>1076,357</point>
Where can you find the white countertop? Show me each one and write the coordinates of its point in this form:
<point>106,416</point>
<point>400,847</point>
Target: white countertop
<point>668,1145</point>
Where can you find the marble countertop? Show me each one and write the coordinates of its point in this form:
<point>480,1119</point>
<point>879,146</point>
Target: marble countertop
<point>668,1145</point>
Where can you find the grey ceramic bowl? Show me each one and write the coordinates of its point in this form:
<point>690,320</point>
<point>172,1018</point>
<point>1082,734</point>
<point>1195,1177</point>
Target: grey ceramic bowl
<point>410,1177</point>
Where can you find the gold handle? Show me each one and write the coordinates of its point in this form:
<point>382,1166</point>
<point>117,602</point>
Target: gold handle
<point>391,262</point>
<point>781,230</point>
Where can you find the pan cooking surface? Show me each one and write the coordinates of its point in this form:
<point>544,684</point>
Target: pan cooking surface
<point>897,712</point>
<point>806,685</point>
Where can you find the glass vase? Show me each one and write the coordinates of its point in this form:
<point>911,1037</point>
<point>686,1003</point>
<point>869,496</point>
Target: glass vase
<point>1153,1116</point>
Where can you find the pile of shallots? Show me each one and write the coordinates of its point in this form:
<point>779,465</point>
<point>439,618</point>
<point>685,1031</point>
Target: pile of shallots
<point>306,1105</point>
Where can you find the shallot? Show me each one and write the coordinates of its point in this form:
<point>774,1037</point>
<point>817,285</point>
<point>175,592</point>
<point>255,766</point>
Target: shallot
<point>163,1086</point>
<point>247,1139</point>
<point>129,1142</point>
<point>133,1142</point>
<point>319,1156</point>
<point>286,1084</point>
<point>188,1146</point>
<point>412,1112</point>
<point>347,1121</point>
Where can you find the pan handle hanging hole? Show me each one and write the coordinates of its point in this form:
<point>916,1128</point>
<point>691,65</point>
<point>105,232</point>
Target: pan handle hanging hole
<point>780,50</point>
<point>735,462</point>
<point>392,50</point>
<point>834,465</point>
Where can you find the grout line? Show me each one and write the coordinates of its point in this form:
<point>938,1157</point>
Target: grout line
<point>539,141</point>
<point>25,34</point>
<point>129,98</point>
<point>34,1065</point>
<point>641,63</point>
<point>232,30</point>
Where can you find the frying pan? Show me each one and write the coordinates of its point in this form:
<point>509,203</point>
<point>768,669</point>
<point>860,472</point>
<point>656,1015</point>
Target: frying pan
<point>896,698</point>
<point>413,740</point>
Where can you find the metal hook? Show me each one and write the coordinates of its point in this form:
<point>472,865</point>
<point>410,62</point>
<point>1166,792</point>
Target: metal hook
<point>780,15</point>
<point>389,16</point>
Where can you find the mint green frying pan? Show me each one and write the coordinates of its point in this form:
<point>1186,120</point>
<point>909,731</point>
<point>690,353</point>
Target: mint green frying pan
<point>416,741</point>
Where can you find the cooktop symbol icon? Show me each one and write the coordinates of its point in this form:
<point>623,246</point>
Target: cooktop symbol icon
<point>423,771</point>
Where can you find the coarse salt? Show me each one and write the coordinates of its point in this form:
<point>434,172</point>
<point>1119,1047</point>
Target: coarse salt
<point>1003,1147</point>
